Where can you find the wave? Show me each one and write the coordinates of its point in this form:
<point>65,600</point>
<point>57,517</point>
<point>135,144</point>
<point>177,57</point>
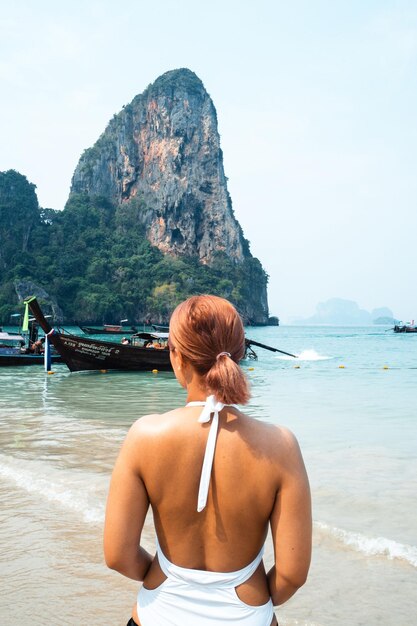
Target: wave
<point>306,355</point>
<point>71,490</point>
<point>63,488</point>
<point>371,546</point>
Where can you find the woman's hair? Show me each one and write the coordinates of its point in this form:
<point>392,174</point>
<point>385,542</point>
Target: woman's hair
<point>204,329</point>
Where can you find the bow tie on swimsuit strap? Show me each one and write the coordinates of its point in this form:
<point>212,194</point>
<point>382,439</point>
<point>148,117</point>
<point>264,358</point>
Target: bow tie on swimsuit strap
<point>211,407</point>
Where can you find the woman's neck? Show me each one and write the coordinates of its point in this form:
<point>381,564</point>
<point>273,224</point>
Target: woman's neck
<point>197,390</point>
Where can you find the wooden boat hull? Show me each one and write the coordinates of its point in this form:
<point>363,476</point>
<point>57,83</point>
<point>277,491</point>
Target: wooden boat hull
<point>83,353</point>
<point>89,330</point>
<point>11,360</point>
<point>405,329</point>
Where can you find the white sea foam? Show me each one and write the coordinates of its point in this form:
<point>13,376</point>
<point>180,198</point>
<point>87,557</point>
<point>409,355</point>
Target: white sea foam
<point>371,546</point>
<point>67,490</point>
<point>306,355</point>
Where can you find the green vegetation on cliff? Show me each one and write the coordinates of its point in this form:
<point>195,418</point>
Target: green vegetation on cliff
<point>95,259</point>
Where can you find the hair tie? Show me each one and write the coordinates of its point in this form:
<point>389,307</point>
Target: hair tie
<point>222,354</point>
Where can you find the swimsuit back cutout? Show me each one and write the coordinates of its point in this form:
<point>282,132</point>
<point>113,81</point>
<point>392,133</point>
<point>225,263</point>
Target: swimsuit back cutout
<point>191,596</point>
<point>211,406</point>
<point>207,578</point>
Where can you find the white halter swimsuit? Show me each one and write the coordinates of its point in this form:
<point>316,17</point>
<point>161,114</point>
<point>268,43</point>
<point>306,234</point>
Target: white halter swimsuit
<point>190,597</point>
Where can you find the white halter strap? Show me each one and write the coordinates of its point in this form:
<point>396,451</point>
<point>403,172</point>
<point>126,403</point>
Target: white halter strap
<point>211,406</point>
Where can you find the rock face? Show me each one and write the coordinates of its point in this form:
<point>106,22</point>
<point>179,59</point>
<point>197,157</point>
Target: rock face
<point>26,288</point>
<point>162,152</point>
<point>164,149</point>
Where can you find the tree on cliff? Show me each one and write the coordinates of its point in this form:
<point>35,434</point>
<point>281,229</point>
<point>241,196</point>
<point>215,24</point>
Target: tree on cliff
<point>99,265</point>
<point>19,213</point>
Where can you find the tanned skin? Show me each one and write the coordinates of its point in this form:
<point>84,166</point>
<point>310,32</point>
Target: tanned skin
<point>258,482</point>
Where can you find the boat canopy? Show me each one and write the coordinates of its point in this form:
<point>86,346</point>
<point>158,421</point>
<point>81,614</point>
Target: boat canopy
<point>12,339</point>
<point>163,336</point>
<point>7,337</point>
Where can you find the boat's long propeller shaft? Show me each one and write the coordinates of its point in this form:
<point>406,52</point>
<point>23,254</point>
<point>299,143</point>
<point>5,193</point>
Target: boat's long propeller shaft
<point>251,342</point>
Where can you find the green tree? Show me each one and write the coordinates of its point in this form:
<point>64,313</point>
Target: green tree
<point>96,260</point>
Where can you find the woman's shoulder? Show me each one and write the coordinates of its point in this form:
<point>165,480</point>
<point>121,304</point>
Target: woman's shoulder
<point>278,433</point>
<point>284,436</point>
<point>276,439</point>
<point>284,439</point>
<point>287,449</point>
<point>147,434</point>
<point>153,424</point>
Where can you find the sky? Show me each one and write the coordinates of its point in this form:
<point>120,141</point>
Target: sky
<point>317,109</point>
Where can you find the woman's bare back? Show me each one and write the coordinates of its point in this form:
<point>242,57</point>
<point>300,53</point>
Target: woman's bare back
<point>243,486</point>
<point>230,531</point>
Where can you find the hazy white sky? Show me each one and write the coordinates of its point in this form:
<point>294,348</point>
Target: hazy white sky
<point>317,107</point>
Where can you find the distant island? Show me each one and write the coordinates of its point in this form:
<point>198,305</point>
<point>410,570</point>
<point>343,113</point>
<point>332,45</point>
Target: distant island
<point>340,312</point>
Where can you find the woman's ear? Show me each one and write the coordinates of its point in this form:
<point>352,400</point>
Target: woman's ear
<point>181,361</point>
<point>176,359</point>
<point>177,362</point>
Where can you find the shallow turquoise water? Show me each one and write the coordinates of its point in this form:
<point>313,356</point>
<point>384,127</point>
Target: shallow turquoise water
<point>357,427</point>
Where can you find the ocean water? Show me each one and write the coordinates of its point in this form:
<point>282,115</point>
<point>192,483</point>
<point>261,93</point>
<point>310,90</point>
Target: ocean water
<point>350,398</point>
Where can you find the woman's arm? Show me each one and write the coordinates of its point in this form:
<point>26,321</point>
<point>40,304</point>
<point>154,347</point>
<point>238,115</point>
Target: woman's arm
<point>291,525</point>
<point>127,505</point>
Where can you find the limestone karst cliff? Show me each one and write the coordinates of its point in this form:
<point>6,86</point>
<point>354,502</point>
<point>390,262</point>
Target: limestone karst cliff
<point>162,152</point>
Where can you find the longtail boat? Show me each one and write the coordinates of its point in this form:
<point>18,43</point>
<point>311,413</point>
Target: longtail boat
<point>84,353</point>
<point>405,328</point>
<point>13,351</point>
<point>110,329</point>
<point>160,329</point>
